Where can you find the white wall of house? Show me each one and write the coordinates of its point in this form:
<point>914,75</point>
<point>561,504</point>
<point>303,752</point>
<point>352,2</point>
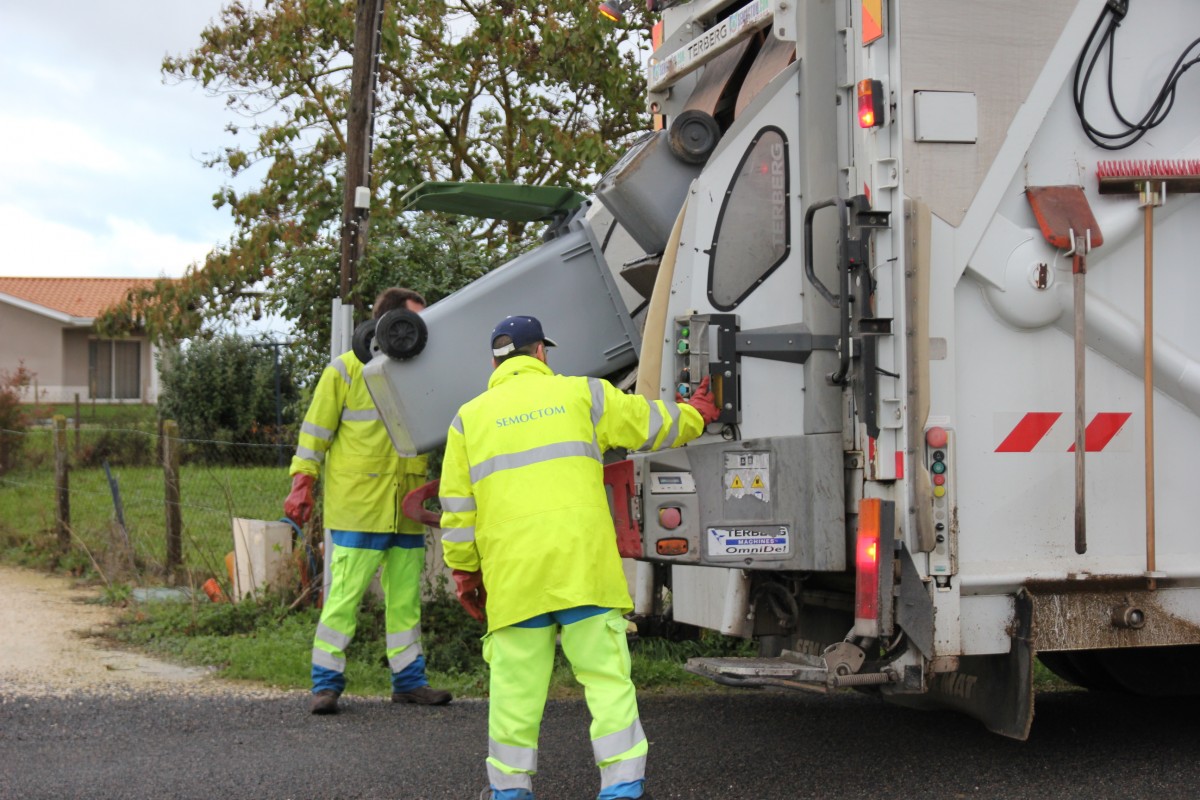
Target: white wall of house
<point>36,341</point>
<point>58,354</point>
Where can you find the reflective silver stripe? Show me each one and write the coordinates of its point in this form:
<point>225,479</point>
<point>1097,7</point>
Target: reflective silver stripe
<point>405,657</point>
<point>673,410</point>
<point>458,535</point>
<point>513,757</point>
<point>656,423</point>
<point>503,780</point>
<point>308,454</point>
<point>403,638</point>
<point>597,389</point>
<point>457,505</point>
<point>456,423</point>
<point>597,400</point>
<point>361,415</point>
<point>613,744</point>
<point>631,769</point>
<point>327,660</point>
<point>536,455</point>
<point>331,637</point>
<point>340,366</point>
<point>315,430</point>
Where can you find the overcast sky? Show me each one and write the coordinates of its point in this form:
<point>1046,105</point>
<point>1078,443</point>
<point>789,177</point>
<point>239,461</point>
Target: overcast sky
<point>100,161</point>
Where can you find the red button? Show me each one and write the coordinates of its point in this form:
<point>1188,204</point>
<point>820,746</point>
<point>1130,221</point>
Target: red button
<point>936,437</point>
<point>669,518</point>
<point>938,480</point>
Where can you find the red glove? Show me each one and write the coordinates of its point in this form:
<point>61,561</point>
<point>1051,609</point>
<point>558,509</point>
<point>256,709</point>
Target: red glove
<point>299,504</point>
<point>702,401</point>
<point>469,588</point>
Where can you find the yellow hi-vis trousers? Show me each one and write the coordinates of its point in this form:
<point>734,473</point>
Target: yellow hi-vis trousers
<point>521,660</point>
<point>352,569</point>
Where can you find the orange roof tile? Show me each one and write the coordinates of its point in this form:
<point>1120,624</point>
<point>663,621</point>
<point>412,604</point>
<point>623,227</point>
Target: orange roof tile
<point>78,297</point>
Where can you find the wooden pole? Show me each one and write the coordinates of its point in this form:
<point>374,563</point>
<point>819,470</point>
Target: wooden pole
<point>62,492</point>
<point>360,123</point>
<point>170,449</point>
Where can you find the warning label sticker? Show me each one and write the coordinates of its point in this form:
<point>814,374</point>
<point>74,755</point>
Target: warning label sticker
<point>764,540</point>
<point>748,475</point>
<point>750,483</point>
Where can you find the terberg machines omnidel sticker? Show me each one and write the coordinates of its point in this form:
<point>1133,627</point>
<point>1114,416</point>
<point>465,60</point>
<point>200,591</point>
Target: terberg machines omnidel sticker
<point>750,540</point>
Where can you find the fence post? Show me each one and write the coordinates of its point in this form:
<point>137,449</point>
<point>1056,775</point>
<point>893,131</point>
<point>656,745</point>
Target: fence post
<point>170,451</point>
<point>77,424</point>
<point>62,505</point>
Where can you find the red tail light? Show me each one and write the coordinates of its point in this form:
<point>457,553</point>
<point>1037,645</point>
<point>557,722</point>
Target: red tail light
<point>866,563</point>
<point>870,103</point>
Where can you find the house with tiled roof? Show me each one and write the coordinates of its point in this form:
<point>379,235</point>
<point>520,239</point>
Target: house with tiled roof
<point>48,324</point>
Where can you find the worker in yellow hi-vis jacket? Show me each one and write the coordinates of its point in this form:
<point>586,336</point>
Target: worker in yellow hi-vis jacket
<point>365,482</point>
<point>525,512</point>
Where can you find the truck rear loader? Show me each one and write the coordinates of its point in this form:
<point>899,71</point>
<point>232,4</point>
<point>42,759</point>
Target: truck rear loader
<point>913,245</point>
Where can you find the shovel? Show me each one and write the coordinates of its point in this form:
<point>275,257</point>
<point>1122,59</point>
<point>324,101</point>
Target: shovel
<point>1067,222</point>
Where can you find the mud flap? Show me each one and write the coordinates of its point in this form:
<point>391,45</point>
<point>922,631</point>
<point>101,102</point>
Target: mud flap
<point>995,689</point>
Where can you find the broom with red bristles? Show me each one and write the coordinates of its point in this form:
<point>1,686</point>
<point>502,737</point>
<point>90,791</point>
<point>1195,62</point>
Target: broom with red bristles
<point>1149,180</point>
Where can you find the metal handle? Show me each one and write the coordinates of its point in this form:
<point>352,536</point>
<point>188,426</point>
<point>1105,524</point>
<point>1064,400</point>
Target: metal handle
<point>834,300</point>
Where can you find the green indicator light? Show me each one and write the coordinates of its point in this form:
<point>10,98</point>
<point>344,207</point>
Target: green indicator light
<point>684,331</point>
<point>938,467</point>
<point>684,346</point>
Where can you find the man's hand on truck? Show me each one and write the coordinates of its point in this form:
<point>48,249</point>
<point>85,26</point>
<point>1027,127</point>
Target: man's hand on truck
<point>702,401</point>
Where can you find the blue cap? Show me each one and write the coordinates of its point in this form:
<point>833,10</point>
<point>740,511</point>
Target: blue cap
<point>522,330</point>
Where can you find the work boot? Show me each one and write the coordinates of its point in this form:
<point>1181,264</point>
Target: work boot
<point>488,794</point>
<point>643,796</point>
<point>324,702</point>
<point>423,696</point>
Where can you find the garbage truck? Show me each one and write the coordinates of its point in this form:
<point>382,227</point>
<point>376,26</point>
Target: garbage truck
<point>912,244</point>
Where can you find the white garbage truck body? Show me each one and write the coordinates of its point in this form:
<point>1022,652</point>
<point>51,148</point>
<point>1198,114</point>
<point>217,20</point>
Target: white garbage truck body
<point>835,223</point>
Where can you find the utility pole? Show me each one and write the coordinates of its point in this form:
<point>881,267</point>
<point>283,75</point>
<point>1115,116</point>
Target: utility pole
<point>360,127</point>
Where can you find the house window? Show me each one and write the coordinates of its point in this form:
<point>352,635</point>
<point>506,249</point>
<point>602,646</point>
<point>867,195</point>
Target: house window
<point>114,370</point>
<point>752,236</point>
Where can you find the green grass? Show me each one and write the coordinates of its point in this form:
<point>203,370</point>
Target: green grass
<point>106,414</point>
<point>1046,681</point>
<point>209,498</point>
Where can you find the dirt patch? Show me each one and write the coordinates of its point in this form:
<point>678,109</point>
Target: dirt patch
<point>50,630</point>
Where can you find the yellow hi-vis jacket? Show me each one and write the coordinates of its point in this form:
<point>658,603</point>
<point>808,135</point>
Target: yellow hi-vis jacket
<point>522,487</point>
<point>365,480</point>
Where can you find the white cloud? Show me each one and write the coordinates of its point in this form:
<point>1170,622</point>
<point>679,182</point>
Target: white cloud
<point>29,145</point>
<point>35,246</point>
<point>100,170</point>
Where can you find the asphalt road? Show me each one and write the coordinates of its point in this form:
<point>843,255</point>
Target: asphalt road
<point>751,745</point>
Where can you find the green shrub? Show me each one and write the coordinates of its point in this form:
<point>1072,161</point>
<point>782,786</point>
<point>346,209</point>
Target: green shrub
<point>222,390</point>
<point>13,419</point>
<point>127,448</point>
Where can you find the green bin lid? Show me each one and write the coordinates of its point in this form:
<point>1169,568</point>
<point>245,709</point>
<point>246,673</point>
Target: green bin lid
<point>506,201</point>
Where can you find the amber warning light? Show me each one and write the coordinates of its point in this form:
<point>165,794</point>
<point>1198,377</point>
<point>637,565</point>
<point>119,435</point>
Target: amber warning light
<point>671,547</point>
<point>870,103</point>
<point>612,10</point>
<point>866,562</point>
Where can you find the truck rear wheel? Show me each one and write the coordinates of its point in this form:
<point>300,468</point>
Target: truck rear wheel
<point>1143,671</point>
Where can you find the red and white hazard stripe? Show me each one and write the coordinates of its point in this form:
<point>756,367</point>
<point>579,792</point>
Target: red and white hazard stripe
<point>1054,432</point>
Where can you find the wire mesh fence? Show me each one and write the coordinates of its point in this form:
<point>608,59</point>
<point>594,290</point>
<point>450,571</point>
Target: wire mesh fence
<point>103,497</point>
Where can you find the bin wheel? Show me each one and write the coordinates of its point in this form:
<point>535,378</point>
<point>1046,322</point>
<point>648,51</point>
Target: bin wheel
<point>401,334</point>
<point>693,136</point>
<point>363,341</point>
